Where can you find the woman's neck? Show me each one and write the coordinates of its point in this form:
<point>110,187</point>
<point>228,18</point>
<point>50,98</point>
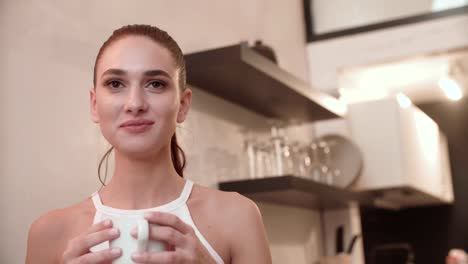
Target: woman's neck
<point>140,184</point>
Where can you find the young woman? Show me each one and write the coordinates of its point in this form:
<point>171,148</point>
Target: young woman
<point>139,96</point>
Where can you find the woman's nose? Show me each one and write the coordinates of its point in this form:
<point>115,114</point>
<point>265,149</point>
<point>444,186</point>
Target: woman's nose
<point>136,101</point>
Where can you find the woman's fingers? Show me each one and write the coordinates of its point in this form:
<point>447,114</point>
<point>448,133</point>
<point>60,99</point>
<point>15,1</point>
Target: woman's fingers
<point>102,256</point>
<point>164,233</point>
<point>167,219</point>
<point>97,238</point>
<point>100,226</point>
<point>162,257</point>
<point>81,244</point>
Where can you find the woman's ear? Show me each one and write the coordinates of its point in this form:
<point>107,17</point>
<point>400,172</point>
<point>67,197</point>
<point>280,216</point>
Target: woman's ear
<point>185,102</point>
<point>92,105</point>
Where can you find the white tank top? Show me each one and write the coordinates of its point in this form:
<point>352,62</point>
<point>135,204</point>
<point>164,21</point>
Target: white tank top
<point>177,207</point>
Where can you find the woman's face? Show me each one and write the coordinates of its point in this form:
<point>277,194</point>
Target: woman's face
<point>137,100</point>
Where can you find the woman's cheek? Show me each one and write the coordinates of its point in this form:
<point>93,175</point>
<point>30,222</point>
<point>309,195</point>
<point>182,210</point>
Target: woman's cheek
<point>109,117</point>
<point>167,108</point>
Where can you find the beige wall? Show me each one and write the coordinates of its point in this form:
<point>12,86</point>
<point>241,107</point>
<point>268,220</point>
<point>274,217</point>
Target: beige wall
<point>334,15</point>
<point>50,148</point>
<point>327,58</point>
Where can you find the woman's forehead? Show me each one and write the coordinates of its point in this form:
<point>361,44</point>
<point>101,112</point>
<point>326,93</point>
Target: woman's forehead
<point>136,54</point>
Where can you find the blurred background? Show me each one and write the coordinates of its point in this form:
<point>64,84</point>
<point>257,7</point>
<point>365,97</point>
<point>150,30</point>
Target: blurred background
<point>344,120</point>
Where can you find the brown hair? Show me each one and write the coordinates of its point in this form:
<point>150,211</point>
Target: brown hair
<point>162,38</point>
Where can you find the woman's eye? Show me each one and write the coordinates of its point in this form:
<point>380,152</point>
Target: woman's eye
<point>114,84</point>
<point>157,84</point>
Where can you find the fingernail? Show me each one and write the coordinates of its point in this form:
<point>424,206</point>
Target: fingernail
<point>134,231</point>
<point>116,251</point>
<point>137,256</point>
<point>107,222</point>
<point>114,231</point>
<point>148,215</point>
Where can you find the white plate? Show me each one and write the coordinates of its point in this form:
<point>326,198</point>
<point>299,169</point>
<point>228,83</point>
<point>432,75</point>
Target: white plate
<point>346,157</point>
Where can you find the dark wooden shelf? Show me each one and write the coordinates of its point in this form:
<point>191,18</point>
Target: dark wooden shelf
<point>396,198</point>
<point>240,75</point>
<point>298,192</point>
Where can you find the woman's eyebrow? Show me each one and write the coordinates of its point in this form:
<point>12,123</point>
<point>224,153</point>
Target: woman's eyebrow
<point>148,73</point>
<point>156,73</point>
<point>114,72</point>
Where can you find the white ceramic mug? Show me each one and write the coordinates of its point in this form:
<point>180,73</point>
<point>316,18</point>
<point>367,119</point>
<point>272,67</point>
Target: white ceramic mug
<point>129,244</point>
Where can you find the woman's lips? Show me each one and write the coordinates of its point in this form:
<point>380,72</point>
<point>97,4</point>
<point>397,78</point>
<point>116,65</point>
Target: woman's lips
<point>137,126</point>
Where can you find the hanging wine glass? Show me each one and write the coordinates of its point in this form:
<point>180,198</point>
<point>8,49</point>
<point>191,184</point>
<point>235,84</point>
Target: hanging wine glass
<point>325,176</point>
<point>303,161</point>
<point>329,173</point>
<point>315,170</point>
<point>288,158</point>
<point>265,160</point>
<point>279,149</point>
<point>250,148</point>
<point>250,143</point>
<point>333,172</point>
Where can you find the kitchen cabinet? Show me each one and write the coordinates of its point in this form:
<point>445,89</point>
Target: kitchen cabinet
<point>240,75</point>
<point>405,154</point>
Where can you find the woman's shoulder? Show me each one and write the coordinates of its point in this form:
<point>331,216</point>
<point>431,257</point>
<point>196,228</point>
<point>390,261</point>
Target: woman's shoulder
<point>54,222</point>
<point>55,228</point>
<point>228,207</point>
<point>235,221</point>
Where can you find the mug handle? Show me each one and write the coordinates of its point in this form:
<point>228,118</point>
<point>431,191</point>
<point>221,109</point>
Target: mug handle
<point>143,235</point>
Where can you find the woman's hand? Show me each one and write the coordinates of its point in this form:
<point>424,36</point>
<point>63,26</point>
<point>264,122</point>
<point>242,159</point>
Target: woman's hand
<point>78,248</point>
<point>184,246</point>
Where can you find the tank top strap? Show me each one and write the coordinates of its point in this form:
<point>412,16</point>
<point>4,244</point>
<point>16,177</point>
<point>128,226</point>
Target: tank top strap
<point>96,200</point>
<point>184,196</point>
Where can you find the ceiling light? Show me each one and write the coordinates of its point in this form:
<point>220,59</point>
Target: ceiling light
<point>451,88</point>
<point>403,100</point>
<point>440,5</point>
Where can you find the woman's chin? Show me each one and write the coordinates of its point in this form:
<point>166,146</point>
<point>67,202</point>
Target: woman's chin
<point>138,151</point>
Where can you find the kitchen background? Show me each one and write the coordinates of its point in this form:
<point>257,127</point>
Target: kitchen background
<point>50,146</point>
